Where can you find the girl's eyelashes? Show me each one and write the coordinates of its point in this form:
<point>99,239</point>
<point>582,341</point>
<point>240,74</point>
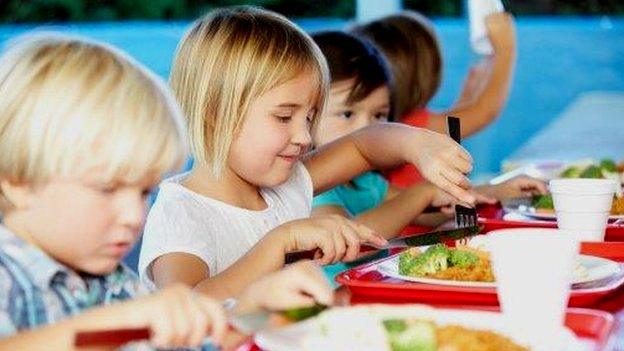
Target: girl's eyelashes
<point>283,119</point>
<point>346,114</point>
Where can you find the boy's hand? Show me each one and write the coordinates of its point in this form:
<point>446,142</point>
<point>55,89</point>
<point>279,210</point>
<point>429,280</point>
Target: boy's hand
<point>501,32</point>
<point>441,161</point>
<point>337,238</point>
<point>299,285</point>
<point>178,317</point>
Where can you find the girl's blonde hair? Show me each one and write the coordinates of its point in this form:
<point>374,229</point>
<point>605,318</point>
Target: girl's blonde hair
<point>69,106</point>
<point>227,59</point>
<point>409,42</point>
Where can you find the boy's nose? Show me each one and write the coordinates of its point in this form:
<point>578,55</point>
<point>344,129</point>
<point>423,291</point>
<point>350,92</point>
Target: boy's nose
<point>132,213</point>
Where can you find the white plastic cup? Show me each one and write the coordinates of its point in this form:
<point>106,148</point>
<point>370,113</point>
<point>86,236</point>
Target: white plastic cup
<point>534,270</point>
<point>478,10</point>
<point>583,206</point>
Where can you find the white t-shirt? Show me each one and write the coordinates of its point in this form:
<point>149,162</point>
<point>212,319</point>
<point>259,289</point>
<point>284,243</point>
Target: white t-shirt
<point>218,233</point>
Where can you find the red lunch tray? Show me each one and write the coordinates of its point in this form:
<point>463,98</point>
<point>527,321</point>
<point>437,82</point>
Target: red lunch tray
<point>367,281</point>
<point>491,217</point>
<point>594,326</point>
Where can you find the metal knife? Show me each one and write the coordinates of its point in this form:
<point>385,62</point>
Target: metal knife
<point>422,239</point>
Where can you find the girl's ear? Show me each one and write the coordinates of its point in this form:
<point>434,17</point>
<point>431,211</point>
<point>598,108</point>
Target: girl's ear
<point>19,195</point>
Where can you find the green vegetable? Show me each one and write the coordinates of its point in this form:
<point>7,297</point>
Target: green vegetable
<point>463,259</point>
<point>299,314</point>
<point>395,325</point>
<point>413,336</point>
<point>431,261</point>
<point>592,172</point>
<point>543,201</point>
<point>572,172</point>
<point>608,165</point>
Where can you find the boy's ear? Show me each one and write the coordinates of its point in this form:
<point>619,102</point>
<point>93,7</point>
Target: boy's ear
<point>17,194</point>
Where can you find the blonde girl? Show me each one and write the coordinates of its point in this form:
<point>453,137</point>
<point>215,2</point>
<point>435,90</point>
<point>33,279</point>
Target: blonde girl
<point>252,85</point>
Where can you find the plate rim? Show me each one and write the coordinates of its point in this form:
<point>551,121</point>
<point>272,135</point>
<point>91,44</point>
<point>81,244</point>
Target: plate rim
<point>393,261</point>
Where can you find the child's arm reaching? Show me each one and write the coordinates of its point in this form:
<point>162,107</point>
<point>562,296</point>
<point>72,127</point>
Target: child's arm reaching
<point>398,211</point>
<point>485,104</point>
<point>336,237</point>
<point>516,187</point>
<point>384,145</point>
<point>175,316</point>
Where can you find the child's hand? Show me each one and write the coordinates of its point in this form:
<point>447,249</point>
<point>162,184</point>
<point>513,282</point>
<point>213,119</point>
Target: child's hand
<point>337,237</point>
<point>178,317</point>
<point>501,32</point>
<point>299,285</point>
<point>441,161</point>
<point>516,187</point>
<point>447,203</point>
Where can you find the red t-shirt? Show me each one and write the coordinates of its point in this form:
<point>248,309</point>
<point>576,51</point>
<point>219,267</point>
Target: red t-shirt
<point>408,175</point>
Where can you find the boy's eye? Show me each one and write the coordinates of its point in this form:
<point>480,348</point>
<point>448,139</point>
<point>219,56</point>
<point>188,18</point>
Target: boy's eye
<point>146,193</point>
<point>347,114</point>
<point>107,189</point>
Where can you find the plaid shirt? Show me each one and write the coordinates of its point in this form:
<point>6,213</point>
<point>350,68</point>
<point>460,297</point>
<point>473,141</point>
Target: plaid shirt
<point>37,290</point>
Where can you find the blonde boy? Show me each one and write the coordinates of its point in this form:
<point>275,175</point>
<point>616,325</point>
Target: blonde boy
<point>85,133</point>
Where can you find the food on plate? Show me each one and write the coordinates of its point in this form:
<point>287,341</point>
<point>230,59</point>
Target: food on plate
<point>402,328</point>
<point>441,262</point>
<point>606,168</point>
<point>462,263</point>
<point>544,204</point>
<point>302,313</point>
<point>425,335</point>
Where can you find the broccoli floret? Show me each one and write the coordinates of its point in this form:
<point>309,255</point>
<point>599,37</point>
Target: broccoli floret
<point>302,313</point>
<point>608,165</point>
<point>431,261</point>
<point>463,259</point>
<point>592,172</point>
<point>438,249</point>
<point>395,325</point>
<point>572,172</point>
<point>543,201</point>
<point>416,336</point>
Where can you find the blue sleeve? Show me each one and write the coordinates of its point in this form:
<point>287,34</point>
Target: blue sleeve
<point>328,198</point>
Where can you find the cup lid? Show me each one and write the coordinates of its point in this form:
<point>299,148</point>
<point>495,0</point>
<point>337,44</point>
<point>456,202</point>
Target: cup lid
<point>583,186</point>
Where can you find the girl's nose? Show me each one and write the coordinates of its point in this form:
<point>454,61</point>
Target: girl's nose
<point>302,136</point>
<point>363,121</point>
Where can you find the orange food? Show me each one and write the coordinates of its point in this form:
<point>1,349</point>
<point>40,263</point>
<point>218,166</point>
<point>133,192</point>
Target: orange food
<point>617,208</point>
<point>481,272</point>
<point>457,338</point>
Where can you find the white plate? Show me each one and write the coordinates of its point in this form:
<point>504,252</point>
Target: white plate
<point>597,268</point>
<point>522,206</point>
<point>359,327</point>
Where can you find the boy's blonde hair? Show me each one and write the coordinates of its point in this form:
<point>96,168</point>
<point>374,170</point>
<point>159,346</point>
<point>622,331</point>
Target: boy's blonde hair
<point>69,106</point>
<point>227,59</point>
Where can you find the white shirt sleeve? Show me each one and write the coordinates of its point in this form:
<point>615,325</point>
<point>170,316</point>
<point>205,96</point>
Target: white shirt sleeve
<point>176,224</point>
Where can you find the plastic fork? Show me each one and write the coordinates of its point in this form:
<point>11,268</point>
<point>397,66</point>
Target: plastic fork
<point>465,216</point>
